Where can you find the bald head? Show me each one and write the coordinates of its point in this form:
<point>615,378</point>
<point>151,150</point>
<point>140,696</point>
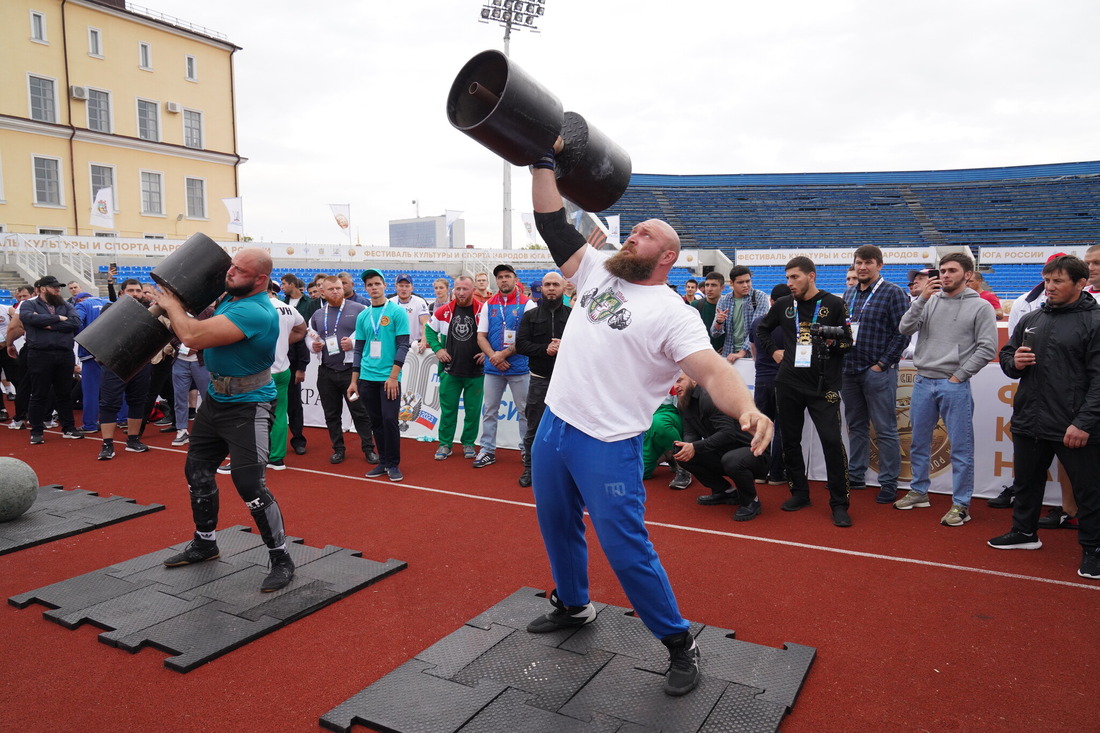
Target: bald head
<point>256,258</point>
<point>665,234</point>
<point>553,286</point>
<point>249,273</point>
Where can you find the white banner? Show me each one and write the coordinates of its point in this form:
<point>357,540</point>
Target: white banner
<point>993,393</point>
<point>103,209</point>
<point>342,214</point>
<point>235,207</point>
<point>833,256</point>
<point>1025,255</point>
<point>613,229</point>
<point>688,258</point>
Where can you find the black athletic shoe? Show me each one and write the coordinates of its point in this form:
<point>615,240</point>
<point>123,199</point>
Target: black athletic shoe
<point>1090,563</point>
<point>1057,518</point>
<point>840,517</point>
<point>683,664</point>
<point>107,452</point>
<point>1016,540</point>
<point>134,445</point>
<point>73,434</point>
<point>1004,499</point>
<point>282,571</point>
<point>748,512</point>
<point>562,617</point>
<point>796,502</point>
<point>337,457</point>
<point>525,477</point>
<point>199,550</point>
<point>299,449</point>
<point>681,480</point>
<point>37,439</point>
<point>278,465</point>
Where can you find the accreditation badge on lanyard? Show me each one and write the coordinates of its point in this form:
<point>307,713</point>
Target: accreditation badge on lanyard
<point>375,348</point>
<point>855,324</point>
<point>509,333</point>
<point>804,351</point>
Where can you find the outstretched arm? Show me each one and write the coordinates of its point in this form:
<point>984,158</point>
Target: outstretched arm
<point>730,395</point>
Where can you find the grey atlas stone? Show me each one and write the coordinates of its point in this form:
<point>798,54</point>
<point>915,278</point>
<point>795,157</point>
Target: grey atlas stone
<point>199,612</point>
<point>491,676</point>
<point>58,513</point>
<point>18,488</point>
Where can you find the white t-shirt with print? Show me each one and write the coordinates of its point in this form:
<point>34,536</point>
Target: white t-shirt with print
<point>620,352</point>
<point>416,307</point>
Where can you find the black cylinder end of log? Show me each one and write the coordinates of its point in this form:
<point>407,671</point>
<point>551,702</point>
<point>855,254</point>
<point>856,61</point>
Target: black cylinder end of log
<point>195,272</point>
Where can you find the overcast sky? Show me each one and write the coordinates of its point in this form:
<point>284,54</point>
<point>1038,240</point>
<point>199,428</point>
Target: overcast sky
<point>342,101</point>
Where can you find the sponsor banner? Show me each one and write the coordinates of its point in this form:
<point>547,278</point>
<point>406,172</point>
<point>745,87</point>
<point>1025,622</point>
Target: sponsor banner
<point>833,256</point>
<point>418,414</point>
<point>333,252</point>
<point>1025,255</point>
<point>993,393</point>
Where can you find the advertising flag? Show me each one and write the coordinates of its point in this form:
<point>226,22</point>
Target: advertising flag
<point>613,229</point>
<point>236,215</point>
<point>342,214</point>
<point>103,209</point>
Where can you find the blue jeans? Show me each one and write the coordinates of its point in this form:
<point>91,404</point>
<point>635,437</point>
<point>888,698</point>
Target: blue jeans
<point>933,399</point>
<point>573,471</point>
<point>490,411</point>
<point>870,398</point>
<point>184,375</point>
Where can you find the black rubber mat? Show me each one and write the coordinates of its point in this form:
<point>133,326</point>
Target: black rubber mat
<point>58,513</point>
<point>199,612</point>
<point>491,676</point>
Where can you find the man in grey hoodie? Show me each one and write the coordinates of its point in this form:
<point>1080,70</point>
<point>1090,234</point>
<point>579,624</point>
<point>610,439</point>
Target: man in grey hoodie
<point>958,336</point>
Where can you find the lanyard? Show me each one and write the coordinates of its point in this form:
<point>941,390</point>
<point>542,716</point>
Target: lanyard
<point>868,301</point>
<point>817,309</point>
<point>503,313</point>
<point>375,321</point>
<point>335,325</point>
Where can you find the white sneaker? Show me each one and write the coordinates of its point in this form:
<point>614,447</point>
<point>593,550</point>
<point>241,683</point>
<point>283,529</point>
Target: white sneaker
<point>182,438</point>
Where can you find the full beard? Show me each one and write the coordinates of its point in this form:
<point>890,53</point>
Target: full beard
<point>632,267</point>
<point>53,299</point>
<point>238,291</point>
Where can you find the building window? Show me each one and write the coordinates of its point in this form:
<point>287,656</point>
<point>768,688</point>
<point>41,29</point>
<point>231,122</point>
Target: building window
<point>191,71</point>
<point>95,43</point>
<point>38,27</point>
<point>103,176</point>
<point>43,99</point>
<point>196,198</point>
<point>148,120</point>
<point>152,199</point>
<point>51,231</point>
<point>145,56</point>
<point>154,236</point>
<point>47,181</point>
<point>192,128</point>
<point>99,110</point>
<point>105,235</point>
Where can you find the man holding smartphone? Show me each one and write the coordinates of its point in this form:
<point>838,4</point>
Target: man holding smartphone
<point>1055,353</point>
<point>958,337</point>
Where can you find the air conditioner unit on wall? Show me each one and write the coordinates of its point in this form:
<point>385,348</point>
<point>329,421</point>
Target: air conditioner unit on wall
<point>78,92</point>
<point>173,107</point>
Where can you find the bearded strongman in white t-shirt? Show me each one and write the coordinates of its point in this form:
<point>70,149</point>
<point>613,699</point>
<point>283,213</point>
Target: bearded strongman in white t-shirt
<point>627,340</point>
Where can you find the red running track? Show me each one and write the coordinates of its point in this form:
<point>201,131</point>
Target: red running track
<point>918,627</point>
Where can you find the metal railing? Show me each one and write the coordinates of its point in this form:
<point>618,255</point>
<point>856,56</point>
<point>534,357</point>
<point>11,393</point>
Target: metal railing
<point>177,22</point>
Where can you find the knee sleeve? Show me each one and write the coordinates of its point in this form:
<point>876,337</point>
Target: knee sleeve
<point>204,495</point>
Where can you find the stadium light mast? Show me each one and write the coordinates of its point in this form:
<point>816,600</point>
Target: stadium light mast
<point>521,15</point>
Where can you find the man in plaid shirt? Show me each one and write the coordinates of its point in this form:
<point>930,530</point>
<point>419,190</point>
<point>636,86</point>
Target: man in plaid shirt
<point>870,387</point>
<point>736,310</point>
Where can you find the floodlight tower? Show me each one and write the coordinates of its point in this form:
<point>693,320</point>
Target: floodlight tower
<point>521,15</point>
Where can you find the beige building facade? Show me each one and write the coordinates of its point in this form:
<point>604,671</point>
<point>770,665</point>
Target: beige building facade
<point>94,95</point>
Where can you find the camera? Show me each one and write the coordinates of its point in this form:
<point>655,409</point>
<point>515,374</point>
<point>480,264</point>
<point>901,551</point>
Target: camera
<point>821,331</point>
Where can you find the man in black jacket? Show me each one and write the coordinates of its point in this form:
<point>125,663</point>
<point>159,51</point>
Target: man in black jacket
<point>1055,353</point>
<point>539,334</point>
<point>809,379</point>
<point>714,447</point>
<point>50,325</point>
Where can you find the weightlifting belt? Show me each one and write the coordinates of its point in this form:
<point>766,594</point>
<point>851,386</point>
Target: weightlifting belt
<point>239,385</point>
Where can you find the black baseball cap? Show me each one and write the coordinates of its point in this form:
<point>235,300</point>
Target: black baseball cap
<point>780,291</point>
<point>48,281</point>
<point>504,266</point>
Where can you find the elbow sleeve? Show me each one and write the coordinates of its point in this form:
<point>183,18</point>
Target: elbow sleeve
<point>562,239</point>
